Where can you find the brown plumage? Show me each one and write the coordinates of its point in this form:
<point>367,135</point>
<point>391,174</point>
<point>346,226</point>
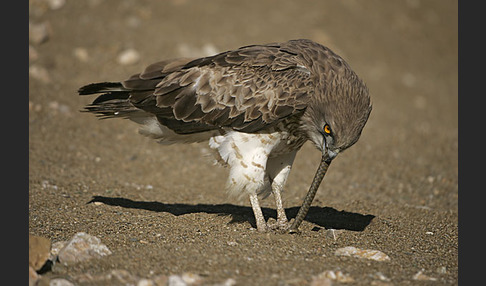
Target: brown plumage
<point>256,105</point>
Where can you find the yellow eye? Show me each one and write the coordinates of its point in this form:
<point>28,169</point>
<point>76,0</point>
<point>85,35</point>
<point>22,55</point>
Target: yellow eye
<point>327,129</point>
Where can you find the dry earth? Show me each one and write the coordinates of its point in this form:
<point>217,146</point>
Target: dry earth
<point>162,210</point>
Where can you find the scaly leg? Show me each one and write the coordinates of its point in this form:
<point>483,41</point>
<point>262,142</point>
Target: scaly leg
<point>257,211</point>
<point>278,169</point>
<point>282,220</point>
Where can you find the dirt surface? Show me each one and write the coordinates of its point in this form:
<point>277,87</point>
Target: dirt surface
<point>162,210</point>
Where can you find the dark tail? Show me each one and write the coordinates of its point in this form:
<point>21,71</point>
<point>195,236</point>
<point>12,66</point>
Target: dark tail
<point>101,87</point>
<point>112,102</point>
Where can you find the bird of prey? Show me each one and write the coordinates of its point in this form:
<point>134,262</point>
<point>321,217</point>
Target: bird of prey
<point>255,106</point>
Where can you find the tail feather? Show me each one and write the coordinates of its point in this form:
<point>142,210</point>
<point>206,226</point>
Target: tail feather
<point>101,87</point>
<point>113,101</point>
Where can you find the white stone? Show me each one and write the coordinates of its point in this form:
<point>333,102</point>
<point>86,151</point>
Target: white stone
<point>81,54</point>
<point>362,253</point>
<point>56,4</point>
<point>420,276</point>
<point>128,57</point>
<point>39,33</point>
<point>60,282</point>
<point>82,247</point>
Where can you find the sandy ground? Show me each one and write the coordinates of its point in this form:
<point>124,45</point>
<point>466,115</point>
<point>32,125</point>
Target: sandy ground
<point>162,210</point>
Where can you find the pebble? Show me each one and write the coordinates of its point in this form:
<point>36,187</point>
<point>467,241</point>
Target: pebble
<point>420,276</point>
<point>62,108</point>
<point>81,54</point>
<point>381,276</point>
<point>320,281</point>
<point>33,54</point>
<point>39,33</point>
<point>39,250</point>
<point>60,282</point>
<point>227,282</point>
<point>186,50</point>
<point>442,270</point>
<point>176,280</point>
<point>39,73</point>
<point>34,106</point>
<point>113,277</point>
<point>146,282</point>
<point>33,276</point>
<point>56,4</point>
<point>82,247</point>
<point>362,253</point>
<point>337,276</point>
<point>333,233</point>
<point>128,57</point>
<point>185,279</point>
<point>123,277</point>
<point>55,248</point>
<point>160,280</point>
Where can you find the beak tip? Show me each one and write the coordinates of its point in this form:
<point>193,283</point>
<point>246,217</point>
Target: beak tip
<point>331,154</point>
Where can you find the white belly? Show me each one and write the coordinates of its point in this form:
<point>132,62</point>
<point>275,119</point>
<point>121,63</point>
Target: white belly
<point>247,155</point>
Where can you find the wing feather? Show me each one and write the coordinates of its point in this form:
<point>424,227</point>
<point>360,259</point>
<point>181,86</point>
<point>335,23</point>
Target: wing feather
<point>246,89</point>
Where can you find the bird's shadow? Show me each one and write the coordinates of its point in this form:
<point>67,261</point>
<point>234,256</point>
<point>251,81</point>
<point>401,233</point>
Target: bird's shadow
<point>326,217</point>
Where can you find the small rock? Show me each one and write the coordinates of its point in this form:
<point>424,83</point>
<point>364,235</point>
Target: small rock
<point>39,73</point>
<point>362,253</point>
<point>81,54</point>
<point>33,55</point>
<point>422,277</point>
<point>34,106</point>
<point>442,270</point>
<point>320,281</point>
<point>186,50</point>
<point>160,280</point>
<point>128,57</point>
<point>333,233</point>
<point>55,248</point>
<point>185,279</point>
<point>176,280</point>
<point>62,108</point>
<point>113,277</point>
<point>121,276</point>
<point>227,282</point>
<point>145,282</point>
<point>380,283</point>
<point>191,278</point>
<point>56,4</point>
<point>60,282</point>
<point>337,276</point>
<point>133,21</point>
<point>382,277</point>
<point>82,247</point>
<point>39,250</point>
<point>39,33</point>
<point>33,276</point>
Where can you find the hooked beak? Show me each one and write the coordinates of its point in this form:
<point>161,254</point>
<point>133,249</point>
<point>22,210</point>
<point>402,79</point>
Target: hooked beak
<point>327,153</point>
<point>331,154</point>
